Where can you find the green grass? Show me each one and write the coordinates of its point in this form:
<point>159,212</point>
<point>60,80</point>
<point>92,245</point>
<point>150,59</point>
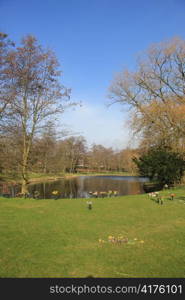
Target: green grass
<point>59,238</point>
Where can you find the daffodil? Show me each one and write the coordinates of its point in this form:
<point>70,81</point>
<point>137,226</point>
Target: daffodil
<point>55,192</point>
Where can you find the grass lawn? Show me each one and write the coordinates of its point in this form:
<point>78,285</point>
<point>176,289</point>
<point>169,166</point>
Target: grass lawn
<point>60,238</point>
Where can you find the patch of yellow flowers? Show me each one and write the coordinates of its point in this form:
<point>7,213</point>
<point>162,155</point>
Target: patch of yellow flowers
<point>55,192</point>
<point>120,240</point>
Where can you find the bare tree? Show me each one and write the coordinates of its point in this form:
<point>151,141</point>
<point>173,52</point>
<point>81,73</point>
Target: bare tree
<point>44,150</point>
<point>161,131</point>
<point>72,152</point>
<point>38,94</point>
<point>6,94</point>
<point>156,90</point>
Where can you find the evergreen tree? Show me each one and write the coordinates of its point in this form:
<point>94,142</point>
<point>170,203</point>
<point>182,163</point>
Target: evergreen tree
<point>161,165</point>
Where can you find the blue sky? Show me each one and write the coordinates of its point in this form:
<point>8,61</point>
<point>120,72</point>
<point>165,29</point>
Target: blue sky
<point>94,39</point>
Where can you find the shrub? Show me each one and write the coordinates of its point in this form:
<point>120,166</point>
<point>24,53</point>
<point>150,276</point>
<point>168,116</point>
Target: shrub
<point>161,165</point>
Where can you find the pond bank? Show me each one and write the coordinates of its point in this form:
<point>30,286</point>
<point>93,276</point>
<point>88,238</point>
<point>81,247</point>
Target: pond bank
<point>34,178</point>
<point>31,180</point>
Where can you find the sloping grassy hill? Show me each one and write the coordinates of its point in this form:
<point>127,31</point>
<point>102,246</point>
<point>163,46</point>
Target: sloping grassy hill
<point>60,238</point>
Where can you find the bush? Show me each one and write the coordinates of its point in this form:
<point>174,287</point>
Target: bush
<point>161,165</point>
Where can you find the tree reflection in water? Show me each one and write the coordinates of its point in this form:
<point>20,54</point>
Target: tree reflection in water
<point>85,186</point>
<point>80,187</point>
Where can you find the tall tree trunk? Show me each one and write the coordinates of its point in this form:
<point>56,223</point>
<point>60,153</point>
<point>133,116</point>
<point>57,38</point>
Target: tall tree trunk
<point>24,187</point>
<point>26,150</point>
<point>45,164</point>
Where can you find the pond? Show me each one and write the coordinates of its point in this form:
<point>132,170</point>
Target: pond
<point>85,186</point>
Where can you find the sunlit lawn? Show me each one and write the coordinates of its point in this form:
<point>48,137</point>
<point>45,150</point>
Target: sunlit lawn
<point>60,238</point>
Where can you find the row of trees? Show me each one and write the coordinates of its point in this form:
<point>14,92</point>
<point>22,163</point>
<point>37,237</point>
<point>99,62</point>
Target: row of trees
<point>50,154</point>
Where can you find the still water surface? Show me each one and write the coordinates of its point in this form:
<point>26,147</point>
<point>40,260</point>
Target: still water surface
<point>79,187</point>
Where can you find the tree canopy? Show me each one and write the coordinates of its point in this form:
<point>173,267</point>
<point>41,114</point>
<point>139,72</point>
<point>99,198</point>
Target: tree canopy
<point>156,93</point>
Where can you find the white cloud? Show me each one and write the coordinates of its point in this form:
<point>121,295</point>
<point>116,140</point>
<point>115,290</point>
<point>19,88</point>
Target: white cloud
<point>99,124</point>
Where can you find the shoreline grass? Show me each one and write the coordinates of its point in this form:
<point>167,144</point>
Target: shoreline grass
<point>60,238</point>
<point>40,177</point>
